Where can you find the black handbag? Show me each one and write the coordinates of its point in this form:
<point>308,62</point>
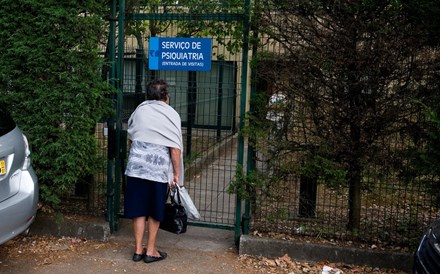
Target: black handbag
<point>175,217</point>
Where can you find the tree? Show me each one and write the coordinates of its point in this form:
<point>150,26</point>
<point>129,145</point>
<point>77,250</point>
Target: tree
<point>356,66</point>
<point>425,16</point>
<point>50,80</point>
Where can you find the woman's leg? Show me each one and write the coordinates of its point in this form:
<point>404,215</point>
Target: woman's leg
<point>158,198</point>
<point>153,228</point>
<point>138,231</point>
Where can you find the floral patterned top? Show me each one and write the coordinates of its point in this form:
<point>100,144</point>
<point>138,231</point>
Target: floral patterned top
<point>149,161</point>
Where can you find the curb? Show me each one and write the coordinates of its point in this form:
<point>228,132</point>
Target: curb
<point>308,252</point>
<point>91,229</point>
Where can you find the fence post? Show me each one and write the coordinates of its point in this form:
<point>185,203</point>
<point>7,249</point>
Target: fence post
<point>244,78</point>
<point>110,122</point>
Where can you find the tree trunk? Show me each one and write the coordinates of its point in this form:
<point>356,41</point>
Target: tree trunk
<point>307,197</point>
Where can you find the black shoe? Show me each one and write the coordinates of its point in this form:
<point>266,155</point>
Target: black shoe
<point>138,257</point>
<point>150,259</point>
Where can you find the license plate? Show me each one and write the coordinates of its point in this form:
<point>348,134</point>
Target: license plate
<point>2,167</point>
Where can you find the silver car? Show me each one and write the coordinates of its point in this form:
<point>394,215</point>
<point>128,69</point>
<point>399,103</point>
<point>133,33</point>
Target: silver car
<point>18,182</point>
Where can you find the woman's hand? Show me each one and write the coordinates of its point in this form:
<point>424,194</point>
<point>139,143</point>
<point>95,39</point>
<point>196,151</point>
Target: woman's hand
<point>174,182</point>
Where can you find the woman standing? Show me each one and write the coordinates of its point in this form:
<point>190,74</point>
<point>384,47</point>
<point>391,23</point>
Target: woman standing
<point>154,163</point>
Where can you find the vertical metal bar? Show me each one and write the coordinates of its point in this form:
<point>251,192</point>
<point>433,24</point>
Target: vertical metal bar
<point>110,123</point>
<point>251,149</point>
<point>244,72</point>
<point>192,101</point>
<point>139,73</point>
<point>117,195</point>
<point>220,100</point>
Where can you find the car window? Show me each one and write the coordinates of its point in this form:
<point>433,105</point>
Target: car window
<point>6,122</point>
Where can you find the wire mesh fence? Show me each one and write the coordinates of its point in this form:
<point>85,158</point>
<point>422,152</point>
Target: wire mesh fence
<point>309,124</point>
<point>394,209</point>
<point>207,101</point>
<point>396,205</point>
<point>393,213</point>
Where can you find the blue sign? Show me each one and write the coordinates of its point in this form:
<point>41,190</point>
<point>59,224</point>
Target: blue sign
<point>180,54</point>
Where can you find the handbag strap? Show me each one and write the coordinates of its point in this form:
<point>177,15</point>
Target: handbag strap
<point>175,190</point>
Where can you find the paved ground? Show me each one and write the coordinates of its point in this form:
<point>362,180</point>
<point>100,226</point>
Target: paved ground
<point>197,251</point>
<point>86,246</point>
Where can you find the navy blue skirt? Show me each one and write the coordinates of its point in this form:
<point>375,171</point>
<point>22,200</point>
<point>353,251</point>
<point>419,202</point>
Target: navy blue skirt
<point>144,198</point>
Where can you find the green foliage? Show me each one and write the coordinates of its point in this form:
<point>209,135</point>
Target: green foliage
<point>50,80</point>
<point>431,157</point>
<point>257,126</point>
<point>325,170</point>
<point>228,33</point>
<point>244,185</point>
<point>427,160</point>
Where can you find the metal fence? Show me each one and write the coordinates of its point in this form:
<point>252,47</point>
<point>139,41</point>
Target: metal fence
<point>396,206</point>
<point>209,102</point>
<point>394,211</point>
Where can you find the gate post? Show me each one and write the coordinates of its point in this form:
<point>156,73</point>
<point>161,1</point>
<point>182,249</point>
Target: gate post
<point>119,157</point>
<point>115,157</point>
<point>110,122</point>
<point>244,78</point>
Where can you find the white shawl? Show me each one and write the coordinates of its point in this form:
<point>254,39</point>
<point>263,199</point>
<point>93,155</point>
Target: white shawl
<point>158,123</point>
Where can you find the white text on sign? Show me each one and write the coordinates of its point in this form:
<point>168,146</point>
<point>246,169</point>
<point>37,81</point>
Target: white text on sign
<point>181,45</point>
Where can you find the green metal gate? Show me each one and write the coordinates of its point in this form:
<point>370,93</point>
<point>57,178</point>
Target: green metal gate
<point>211,104</point>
